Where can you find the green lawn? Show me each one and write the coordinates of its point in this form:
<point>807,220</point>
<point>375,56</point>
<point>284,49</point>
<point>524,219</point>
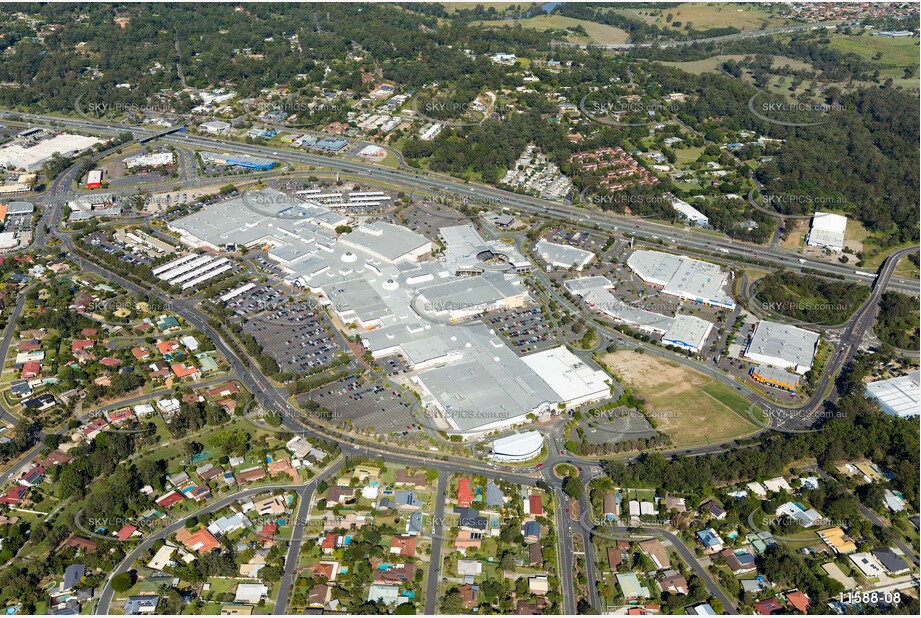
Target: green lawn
<point>597,33</point>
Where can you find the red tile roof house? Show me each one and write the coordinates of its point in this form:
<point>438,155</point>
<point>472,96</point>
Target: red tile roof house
<point>166,347</point>
<point>182,371</point>
<point>223,390</point>
<point>15,496</point>
<point>109,361</point>
<point>94,428</point>
<point>768,607</point>
<point>326,570</point>
<point>81,344</point>
<point>252,474</point>
<point>267,534</point>
<point>30,369</point>
<point>201,541</point>
<point>30,345</point>
<point>798,600</point>
<point>56,458</point>
<point>89,332</point>
<point>328,543</point>
<point>403,546</point>
<point>283,466</point>
<point>79,542</point>
<point>32,477</point>
<point>118,416</point>
<point>140,353</point>
<point>536,506</point>
<point>125,533</point>
<point>169,499</point>
<point>464,493</point>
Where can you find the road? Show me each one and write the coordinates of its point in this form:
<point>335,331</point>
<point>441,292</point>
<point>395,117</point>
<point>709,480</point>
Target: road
<point>440,184</point>
<point>686,554</point>
<point>439,530</point>
<point>286,585</point>
<point>717,39</point>
<point>107,594</point>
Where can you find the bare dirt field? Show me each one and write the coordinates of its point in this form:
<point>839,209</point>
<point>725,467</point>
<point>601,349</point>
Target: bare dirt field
<point>687,405</point>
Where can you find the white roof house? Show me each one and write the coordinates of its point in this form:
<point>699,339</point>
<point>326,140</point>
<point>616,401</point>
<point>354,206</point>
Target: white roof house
<point>778,484</point>
<point>827,231</point>
<point>868,564</point>
<point>251,593</point>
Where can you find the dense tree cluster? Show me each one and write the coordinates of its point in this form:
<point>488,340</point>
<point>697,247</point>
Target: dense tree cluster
<point>897,322</point>
<point>810,299</point>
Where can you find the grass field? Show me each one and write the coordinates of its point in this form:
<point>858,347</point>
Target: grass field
<point>906,269</point>
<point>710,64</point>
<point>453,7</point>
<point>898,52</point>
<point>687,405</point>
<point>597,33</point>
<point>706,15</point>
<point>688,155</point>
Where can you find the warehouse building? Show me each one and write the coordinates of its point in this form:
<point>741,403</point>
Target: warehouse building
<point>827,231</point>
<point>239,160</point>
<point>782,346</point>
<point>688,333</point>
<point>899,396</point>
<point>31,156</point>
<point>150,159</point>
<point>689,213</point>
<point>216,127</point>
<point>563,256</point>
<point>775,377</point>
<point>573,381</point>
<point>683,277</point>
<point>595,293</point>
<point>458,299</point>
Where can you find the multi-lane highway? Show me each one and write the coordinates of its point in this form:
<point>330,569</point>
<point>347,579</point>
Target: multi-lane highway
<point>440,184</point>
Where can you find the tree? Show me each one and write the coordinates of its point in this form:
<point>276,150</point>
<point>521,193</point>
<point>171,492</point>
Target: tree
<point>123,582</point>
<point>452,603</point>
<point>573,487</point>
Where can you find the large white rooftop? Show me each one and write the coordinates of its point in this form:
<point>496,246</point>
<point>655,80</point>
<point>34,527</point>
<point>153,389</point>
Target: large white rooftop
<point>688,332</point>
<point>683,277</point>
<point>828,230</point>
<point>899,396</point>
<point>563,256</point>
<point>570,377</point>
<point>782,345</point>
<point>32,157</point>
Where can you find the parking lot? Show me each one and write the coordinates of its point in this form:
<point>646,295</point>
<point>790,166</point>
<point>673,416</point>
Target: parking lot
<point>614,426</point>
<point>526,330</point>
<point>426,218</point>
<point>294,333</point>
<point>393,365</point>
<point>366,406</point>
<point>112,247</point>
